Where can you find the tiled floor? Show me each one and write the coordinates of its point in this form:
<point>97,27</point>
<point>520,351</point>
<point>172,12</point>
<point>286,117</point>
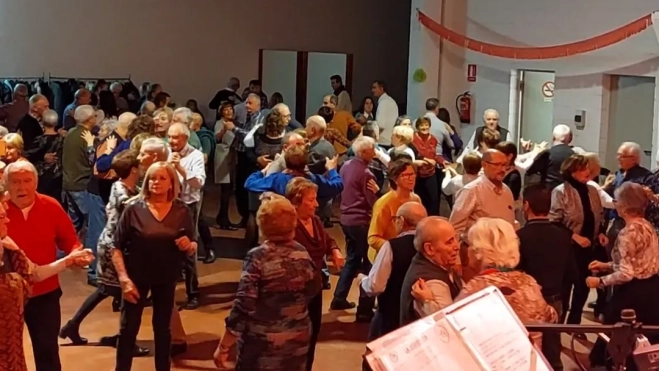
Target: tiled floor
<point>340,346</point>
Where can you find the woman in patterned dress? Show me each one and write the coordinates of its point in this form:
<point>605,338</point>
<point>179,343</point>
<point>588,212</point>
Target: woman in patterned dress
<point>269,319</point>
<point>126,165</point>
<point>17,274</point>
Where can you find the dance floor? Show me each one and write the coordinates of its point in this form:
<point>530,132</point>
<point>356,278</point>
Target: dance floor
<point>340,346</point>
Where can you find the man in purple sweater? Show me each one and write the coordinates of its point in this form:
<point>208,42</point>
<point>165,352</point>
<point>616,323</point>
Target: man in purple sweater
<point>357,199</point>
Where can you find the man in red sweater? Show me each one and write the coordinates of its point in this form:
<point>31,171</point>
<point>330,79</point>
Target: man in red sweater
<point>40,226</point>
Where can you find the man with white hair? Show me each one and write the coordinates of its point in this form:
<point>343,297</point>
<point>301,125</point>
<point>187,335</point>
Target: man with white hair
<point>84,207</point>
<point>289,140</point>
<point>29,127</point>
<point>319,148</point>
<point>548,163</point>
<point>183,115</point>
<point>389,269</point>
<point>285,112</point>
<point>189,164</point>
<point>12,112</point>
<point>28,211</point>
<point>431,270</point>
<point>357,199</point>
<point>122,104</point>
<point>491,121</point>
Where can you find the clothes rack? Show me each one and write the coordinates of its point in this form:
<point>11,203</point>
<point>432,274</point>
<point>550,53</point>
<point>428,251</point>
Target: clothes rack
<point>23,78</point>
<point>124,78</point>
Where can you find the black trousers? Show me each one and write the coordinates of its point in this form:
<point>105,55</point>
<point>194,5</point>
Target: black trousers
<point>162,296</point>
<point>101,293</point>
<point>551,340</point>
<point>226,190</point>
<point>316,316</point>
<point>244,168</point>
<point>428,191</point>
<point>43,320</point>
<point>190,263</point>
<point>580,291</point>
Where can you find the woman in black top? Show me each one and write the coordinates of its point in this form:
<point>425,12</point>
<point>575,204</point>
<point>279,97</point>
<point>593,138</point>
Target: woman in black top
<point>513,178</point>
<point>153,237</point>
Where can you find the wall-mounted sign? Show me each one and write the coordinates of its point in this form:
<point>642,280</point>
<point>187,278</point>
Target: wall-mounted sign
<point>471,73</point>
<point>548,91</point>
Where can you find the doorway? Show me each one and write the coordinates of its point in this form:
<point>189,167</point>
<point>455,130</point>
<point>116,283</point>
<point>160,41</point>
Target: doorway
<point>631,114</point>
<point>535,121</point>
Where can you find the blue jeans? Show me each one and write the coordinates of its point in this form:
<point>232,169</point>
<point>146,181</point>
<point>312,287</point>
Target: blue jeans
<point>96,222</point>
<point>76,207</point>
<point>357,251</point>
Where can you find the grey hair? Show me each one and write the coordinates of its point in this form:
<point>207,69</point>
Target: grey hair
<point>406,133</point>
<point>632,148</point>
<point>184,113</point>
<point>494,242</point>
<point>412,212</point>
<point>125,119</point>
<point>20,166</point>
<point>36,98</point>
<point>400,119</point>
<point>147,108</point>
<point>490,111</point>
<point>425,231</point>
<point>288,137</point>
<point>333,99</point>
<point>49,117</point>
<point>180,129</point>
<point>361,144</point>
<point>84,113</point>
<point>373,127</point>
<point>157,146</point>
<point>279,106</point>
<point>3,131</point>
<point>116,84</point>
<point>562,133</point>
<point>631,199</point>
<point>317,122</point>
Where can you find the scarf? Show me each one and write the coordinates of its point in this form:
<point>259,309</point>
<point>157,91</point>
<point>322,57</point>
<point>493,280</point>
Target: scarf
<point>588,225</point>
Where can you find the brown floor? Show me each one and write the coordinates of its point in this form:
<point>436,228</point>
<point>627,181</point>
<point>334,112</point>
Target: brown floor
<point>340,347</point>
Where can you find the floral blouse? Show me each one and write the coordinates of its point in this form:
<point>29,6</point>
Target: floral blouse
<point>635,254</point>
<point>521,291</point>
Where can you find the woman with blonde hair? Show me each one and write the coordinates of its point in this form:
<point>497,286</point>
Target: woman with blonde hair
<point>163,119</point>
<point>15,148</point>
<point>156,225</point>
<point>271,304</point>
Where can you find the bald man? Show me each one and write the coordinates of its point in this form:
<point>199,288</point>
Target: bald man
<point>12,112</point>
<point>431,271</point>
<point>485,197</point>
<point>385,279</point>
<point>82,97</point>
<point>491,121</point>
<point>29,126</point>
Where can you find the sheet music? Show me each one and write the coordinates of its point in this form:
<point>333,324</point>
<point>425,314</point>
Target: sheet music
<point>496,335</point>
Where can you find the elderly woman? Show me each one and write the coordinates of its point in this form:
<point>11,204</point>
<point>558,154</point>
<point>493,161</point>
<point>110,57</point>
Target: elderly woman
<point>46,155</point>
<point>223,165</point>
<point>270,317</point>
<point>632,274</point>
<point>403,120</point>
<point>267,140</point>
<point>494,252</point>
<point>157,225</point>
<point>163,119</point>
<point>311,234</point>
<point>401,142</point>
<point>577,206</point>
<point>15,148</point>
<point>427,182</point>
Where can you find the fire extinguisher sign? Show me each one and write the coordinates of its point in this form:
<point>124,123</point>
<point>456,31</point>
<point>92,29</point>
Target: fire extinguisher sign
<point>471,73</point>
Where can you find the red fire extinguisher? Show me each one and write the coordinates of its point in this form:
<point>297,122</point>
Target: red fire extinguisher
<point>463,105</point>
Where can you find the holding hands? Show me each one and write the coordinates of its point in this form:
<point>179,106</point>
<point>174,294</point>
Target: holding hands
<point>80,258</point>
<point>184,244</point>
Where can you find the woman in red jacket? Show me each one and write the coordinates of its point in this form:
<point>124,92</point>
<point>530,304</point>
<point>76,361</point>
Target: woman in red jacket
<point>429,152</point>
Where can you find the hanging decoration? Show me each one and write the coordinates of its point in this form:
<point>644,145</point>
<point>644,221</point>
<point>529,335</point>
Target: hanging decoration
<point>544,52</point>
<point>419,75</point>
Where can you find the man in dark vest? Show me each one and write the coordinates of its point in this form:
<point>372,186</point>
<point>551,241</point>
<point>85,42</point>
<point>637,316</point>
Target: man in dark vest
<point>548,163</point>
<point>491,120</point>
<point>386,277</point>
<point>431,270</point>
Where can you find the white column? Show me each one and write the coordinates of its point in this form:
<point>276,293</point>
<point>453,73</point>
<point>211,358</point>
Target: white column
<point>424,53</point>
<point>513,107</point>
<point>655,120</point>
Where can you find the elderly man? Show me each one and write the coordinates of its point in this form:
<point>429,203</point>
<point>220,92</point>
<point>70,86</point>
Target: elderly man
<point>29,126</point>
<point>388,272</point>
<point>122,104</point>
<point>320,150</point>
<point>386,114</point>
<point>548,163</point>
<point>11,113</point>
<point>438,128</point>
<point>147,108</point>
<point>76,170</point>
<point>357,199</point>
<point>431,269</point>
<point>183,115</point>
<point>343,121</point>
<point>40,227</point>
<point>379,164</point>
<point>290,139</point>
<point>285,112</point>
<point>486,196</point>
<point>189,163</point>
<point>245,167</point>
<point>82,97</point>
<point>227,94</point>
<point>491,121</point>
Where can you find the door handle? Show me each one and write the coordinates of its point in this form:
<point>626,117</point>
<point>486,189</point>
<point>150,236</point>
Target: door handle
<point>648,153</point>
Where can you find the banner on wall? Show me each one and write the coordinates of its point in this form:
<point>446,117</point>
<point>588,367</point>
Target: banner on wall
<point>544,52</point>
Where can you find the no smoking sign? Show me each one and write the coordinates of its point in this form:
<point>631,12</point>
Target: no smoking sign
<point>548,89</point>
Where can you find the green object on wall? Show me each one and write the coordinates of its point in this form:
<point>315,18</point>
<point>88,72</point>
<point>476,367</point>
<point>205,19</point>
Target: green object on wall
<point>419,75</point>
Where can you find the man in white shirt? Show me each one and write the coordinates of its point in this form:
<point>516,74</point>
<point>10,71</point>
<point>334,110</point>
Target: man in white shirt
<point>386,114</point>
<point>189,164</point>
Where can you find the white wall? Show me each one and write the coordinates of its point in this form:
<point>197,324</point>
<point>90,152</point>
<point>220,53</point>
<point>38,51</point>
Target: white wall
<point>580,80</point>
<point>193,47</point>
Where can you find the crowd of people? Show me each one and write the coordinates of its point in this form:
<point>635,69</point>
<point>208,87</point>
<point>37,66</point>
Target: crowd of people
<point>109,189</point>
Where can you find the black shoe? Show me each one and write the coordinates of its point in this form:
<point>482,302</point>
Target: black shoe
<point>140,352</point>
<point>210,257</point>
<point>116,305</point>
<point>592,304</point>
<point>178,349</point>
<point>327,285</point>
<point>242,224</point>
<point>228,226</point>
<point>342,305</point>
<point>109,341</point>
<point>191,303</point>
<point>70,330</point>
